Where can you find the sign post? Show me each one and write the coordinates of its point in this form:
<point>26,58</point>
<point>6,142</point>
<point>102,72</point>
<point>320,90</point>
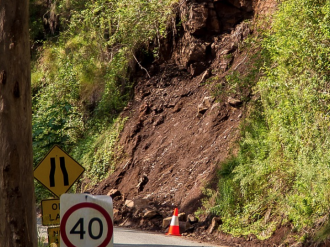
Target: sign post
<point>86,221</point>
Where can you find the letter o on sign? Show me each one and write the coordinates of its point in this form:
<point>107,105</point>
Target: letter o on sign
<point>86,224</point>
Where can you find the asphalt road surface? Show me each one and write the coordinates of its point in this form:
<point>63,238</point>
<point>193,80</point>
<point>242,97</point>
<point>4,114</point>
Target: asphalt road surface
<point>124,237</point>
<point>131,238</point>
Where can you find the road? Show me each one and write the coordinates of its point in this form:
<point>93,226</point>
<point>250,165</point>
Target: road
<point>124,237</point>
<point>131,238</point>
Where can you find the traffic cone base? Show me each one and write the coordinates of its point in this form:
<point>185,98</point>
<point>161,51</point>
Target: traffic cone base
<point>174,226</point>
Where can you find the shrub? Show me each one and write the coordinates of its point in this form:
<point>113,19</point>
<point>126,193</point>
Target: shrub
<point>282,169</point>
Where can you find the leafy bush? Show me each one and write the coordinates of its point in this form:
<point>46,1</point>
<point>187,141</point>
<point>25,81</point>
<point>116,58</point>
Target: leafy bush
<point>81,78</point>
<point>100,152</point>
<point>282,169</point>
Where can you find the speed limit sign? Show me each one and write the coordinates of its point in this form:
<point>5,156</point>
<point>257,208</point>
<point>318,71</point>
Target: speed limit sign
<point>86,221</point>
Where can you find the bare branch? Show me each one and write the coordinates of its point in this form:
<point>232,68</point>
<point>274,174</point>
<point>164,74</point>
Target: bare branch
<point>141,67</point>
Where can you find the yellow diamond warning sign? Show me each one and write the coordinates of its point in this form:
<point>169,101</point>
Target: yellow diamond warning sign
<point>58,171</point>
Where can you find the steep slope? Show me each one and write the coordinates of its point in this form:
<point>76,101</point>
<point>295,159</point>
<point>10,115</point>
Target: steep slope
<point>178,129</point>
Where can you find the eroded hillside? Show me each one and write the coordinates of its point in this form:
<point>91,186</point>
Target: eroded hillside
<point>220,104</point>
<point>179,130</point>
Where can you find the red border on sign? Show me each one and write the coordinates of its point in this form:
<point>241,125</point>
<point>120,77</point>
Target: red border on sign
<point>86,205</point>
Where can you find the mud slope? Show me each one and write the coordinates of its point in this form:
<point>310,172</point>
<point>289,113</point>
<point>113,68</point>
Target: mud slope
<point>178,132</point>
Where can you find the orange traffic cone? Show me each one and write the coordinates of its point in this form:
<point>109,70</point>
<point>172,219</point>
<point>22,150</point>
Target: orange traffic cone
<point>174,226</point>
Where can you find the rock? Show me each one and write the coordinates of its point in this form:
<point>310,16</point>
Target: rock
<point>182,217</point>
<point>214,49</point>
<point>205,105</point>
<point>198,15</point>
<point>166,222</point>
<point>141,203</point>
<point>192,50</point>
<point>205,75</point>
<point>196,52</point>
<point>178,107</point>
<point>247,5</point>
<point>150,214</point>
<point>143,180</point>
<point>192,219</point>
<point>201,108</point>
<point>197,68</point>
<point>208,101</point>
<point>114,193</point>
<point>213,24</point>
<point>225,51</point>
<point>129,203</point>
<point>240,32</point>
<point>234,102</point>
<point>267,215</point>
<point>116,215</point>
<point>126,223</point>
<point>159,120</point>
<point>216,107</point>
<point>229,14</point>
<point>184,226</point>
<point>223,65</point>
<point>138,213</point>
<point>216,221</point>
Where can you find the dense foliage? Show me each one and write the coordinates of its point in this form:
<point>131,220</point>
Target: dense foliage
<point>281,174</point>
<point>81,76</point>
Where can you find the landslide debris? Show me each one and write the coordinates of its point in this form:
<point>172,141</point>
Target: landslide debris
<point>178,129</point>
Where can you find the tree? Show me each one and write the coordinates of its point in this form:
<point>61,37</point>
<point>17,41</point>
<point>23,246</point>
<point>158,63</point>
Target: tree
<point>17,211</point>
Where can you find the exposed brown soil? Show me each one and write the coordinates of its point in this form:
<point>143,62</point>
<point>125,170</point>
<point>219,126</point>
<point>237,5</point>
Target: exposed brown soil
<point>179,131</point>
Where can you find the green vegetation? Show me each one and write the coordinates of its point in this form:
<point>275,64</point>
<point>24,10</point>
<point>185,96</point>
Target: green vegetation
<point>81,81</point>
<point>281,174</point>
<point>81,75</point>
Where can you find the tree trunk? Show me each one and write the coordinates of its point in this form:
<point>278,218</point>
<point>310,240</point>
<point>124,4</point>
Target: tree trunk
<point>17,203</point>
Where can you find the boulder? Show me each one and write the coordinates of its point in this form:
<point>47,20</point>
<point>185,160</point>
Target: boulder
<point>191,50</point>
<point>205,75</point>
<point>213,24</point>
<point>197,22</point>
<point>234,102</point>
<point>127,223</point>
<point>216,221</point>
<point>150,214</point>
<point>129,203</point>
<point>242,4</point>
<point>114,193</point>
<point>205,105</point>
<point>166,222</point>
<point>229,14</point>
<point>141,203</point>
<point>192,219</point>
<point>182,217</point>
<point>117,215</point>
<point>184,226</point>
<point>143,180</point>
<point>197,68</point>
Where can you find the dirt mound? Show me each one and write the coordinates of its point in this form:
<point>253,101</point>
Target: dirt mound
<point>178,131</point>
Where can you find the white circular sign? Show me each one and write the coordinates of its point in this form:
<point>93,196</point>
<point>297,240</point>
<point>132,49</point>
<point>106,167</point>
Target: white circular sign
<point>86,221</point>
